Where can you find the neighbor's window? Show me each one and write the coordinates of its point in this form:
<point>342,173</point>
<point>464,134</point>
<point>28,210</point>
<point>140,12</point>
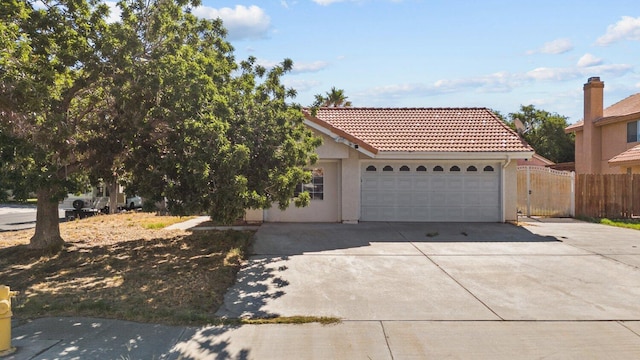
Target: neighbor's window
<point>316,187</point>
<point>633,131</point>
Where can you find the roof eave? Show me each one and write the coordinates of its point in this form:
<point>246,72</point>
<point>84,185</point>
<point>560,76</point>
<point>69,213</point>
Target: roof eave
<point>616,119</point>
<point>635,162</point>
<point>339,135</point>
<point>454,155</point>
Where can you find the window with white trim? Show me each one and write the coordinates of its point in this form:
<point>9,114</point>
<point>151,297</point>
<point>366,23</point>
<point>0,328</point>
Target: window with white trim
<point>315,188</point>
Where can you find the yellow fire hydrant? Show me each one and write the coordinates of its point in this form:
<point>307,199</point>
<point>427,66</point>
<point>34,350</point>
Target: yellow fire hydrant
<point>5,321</point>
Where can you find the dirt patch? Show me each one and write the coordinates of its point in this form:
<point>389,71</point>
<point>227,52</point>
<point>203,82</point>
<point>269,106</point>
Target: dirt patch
<point>123,266</point>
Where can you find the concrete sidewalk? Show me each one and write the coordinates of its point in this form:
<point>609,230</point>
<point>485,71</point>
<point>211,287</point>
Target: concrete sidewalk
<point>87,338</point>
<point>547,289</point>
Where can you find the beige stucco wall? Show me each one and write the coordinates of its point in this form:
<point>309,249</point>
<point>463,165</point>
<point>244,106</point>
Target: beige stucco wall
<point>330,149</point>
<point>579,156</point>
<point>326,210</point>
<point>511,192</point>
<point>614,142</point>
<point>351,187</point>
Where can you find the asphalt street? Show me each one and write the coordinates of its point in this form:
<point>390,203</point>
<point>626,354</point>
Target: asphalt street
<point>19,217</point>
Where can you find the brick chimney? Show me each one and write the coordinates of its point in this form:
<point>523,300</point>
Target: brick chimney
<point>592,140</point>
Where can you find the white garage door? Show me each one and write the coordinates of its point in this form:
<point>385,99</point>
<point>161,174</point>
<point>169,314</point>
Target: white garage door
<point>430,192</point>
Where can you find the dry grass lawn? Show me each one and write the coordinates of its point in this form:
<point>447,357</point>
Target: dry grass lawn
<point>124,266</point>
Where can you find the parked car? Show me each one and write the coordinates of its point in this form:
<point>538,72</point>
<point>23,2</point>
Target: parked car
<point>134,202</point>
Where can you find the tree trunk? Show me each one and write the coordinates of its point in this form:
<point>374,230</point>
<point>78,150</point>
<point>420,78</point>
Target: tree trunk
<point>47,234</point>
<point>113,197</point>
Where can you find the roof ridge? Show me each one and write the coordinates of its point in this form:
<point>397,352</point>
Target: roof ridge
<point>400,108</point>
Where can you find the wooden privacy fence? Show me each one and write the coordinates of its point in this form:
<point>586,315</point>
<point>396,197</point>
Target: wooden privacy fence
<point>614,196</point>
<point>545,192</point>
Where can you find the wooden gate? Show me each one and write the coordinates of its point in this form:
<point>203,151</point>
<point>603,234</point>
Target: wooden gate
<point>545,192</point>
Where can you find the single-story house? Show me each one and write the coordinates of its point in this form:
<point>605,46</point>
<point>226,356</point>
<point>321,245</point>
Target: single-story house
<point>607,140</point>
<point>409,164</point>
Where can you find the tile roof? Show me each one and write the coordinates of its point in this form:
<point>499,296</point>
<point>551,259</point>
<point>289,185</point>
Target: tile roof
<point>631,155</point>
<point>628,106</point>
<point>422,129</point>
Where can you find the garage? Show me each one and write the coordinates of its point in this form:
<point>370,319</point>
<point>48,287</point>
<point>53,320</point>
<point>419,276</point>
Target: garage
<point>421,192</point>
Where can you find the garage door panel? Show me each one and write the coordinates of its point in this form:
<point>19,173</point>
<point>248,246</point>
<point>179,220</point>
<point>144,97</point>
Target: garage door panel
<point>455,198</point>
<point>438,199</point>
<point>421,198</point>
<point>431,195</point>
<point>455,183</point>
<point>438,182</point>
<point>422,182</point>
<point>369,184</point>
<point>405,184</point>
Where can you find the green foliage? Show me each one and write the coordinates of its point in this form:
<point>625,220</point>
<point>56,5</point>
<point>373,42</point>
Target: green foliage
<point>623,223</point>
<point>333,98</point>
<point>544,131</point>
<point>155,100</point>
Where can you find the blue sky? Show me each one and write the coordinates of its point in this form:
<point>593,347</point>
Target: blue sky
<point>432,53</point>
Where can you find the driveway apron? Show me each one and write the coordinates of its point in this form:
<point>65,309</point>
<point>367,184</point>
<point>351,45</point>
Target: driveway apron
<point>437,271</point>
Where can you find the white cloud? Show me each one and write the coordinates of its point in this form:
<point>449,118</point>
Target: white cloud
<point>242,22</point>
<point>628,28</point>
<point>326,2</point>
<point>309,67</point>
<point>329,2</point>
<point>563,74</point>
<point>589,60</point>
<point>546,74</point>
<point>297,67</point>
<point>498,82</point>
<point>503,82</point>
<point>300,85</point>
<point>558,46</point>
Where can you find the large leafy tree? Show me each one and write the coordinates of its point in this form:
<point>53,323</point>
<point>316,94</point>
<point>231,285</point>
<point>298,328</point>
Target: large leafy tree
<point>154,99</point>
<point>544,131</point>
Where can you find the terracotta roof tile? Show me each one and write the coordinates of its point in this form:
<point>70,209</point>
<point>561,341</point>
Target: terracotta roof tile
<point>424,129</point>
<point>631,155</point>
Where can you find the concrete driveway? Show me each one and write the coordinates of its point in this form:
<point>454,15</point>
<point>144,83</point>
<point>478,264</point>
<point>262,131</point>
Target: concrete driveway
<point>552,290</point>
<point>558,288</point>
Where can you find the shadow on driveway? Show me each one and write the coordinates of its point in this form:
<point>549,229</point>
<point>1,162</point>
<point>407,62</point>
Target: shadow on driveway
<point>302,238</point>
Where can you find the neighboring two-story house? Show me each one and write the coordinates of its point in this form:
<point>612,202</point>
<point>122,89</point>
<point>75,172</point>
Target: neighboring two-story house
<point>607,140</point>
